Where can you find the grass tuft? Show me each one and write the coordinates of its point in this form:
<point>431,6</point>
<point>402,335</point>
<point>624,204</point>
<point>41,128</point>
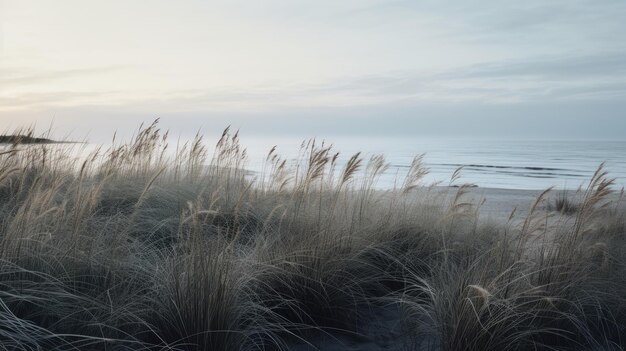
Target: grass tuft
<point>144,246</point>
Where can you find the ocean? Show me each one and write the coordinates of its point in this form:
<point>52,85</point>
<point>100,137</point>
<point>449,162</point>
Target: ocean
<point>494,163</point>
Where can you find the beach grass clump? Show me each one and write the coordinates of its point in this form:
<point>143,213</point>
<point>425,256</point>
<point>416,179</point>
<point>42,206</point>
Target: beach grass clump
<point>141,246</point>
<point>564,204</point>
<point>540,286</point>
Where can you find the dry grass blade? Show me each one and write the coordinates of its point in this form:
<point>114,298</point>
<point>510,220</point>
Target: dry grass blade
<point>352,166</point>
<point>416,172</point>
<point>141,247</point>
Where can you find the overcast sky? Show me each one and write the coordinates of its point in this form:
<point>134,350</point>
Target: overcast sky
<point>532,68</point>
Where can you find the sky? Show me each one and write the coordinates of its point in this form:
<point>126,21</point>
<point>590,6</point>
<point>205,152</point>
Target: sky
<point>486,68</point>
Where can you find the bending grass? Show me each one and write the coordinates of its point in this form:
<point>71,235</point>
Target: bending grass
<point>135,248</point>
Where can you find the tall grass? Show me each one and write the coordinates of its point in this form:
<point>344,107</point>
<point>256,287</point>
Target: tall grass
<point>142,246</point>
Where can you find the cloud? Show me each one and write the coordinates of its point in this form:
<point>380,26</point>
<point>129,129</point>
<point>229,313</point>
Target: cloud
<point>597,77</point>
<point>600,77</point>
<point>51,99</point>
<point>601,65</point>
<point>25,76</point>
<point>355,56</point>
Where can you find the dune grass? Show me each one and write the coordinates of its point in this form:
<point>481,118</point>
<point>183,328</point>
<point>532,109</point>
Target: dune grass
<point>139,247</point>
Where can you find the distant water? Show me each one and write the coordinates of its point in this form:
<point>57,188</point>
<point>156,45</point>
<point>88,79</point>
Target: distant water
<point>511,164</point>
<point>508,164</point>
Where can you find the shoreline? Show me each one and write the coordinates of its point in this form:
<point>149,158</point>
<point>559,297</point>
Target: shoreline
<point>29,140</point>
<point>499,203</point>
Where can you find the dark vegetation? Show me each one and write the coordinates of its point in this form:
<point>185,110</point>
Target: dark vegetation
<point>130,249</point>
<point>23,139</point>
<point>565,203</point>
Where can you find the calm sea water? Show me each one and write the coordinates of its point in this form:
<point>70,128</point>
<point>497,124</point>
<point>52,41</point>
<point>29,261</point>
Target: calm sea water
<point>514,164</point>
<point>509,164</point>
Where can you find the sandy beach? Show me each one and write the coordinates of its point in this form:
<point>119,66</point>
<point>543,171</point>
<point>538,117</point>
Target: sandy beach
<point>499,203</point>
